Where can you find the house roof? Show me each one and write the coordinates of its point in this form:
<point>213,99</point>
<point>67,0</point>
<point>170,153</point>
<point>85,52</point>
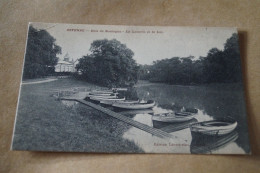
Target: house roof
<point>64,62</point>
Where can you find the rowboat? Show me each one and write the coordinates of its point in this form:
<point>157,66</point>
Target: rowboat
<point>213,128</point>
<point>145,105</point>
<point>97,97</point>
<point>102,94</point>
<point>110,102</point>
<point>107,99</point>
<point>183,114</point>
<point>102,91</point>
<point>119,89</point>
<point>173,117</point>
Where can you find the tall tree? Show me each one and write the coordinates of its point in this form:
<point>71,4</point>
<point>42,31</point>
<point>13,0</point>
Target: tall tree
<point>224,66</point>
<point>232,59</point>
<point>41,51</point>
<point>111,63</point>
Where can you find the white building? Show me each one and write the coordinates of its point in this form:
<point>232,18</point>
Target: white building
<point>66,65</point>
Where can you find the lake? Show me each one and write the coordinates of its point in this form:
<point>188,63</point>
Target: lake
<point>212,102</point>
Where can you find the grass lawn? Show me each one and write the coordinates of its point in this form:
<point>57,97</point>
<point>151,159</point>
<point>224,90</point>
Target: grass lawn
<point>45,124</point>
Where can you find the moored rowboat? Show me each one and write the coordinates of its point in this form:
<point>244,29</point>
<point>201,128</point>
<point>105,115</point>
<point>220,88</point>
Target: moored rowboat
<point>214,127</point>
<point>107,99</point>
<point>110,102</point>
<point>119,89</point>
<point>100,97</point>
<point>172,117</point>
<point>183,114</point>
<point>102,92</point>
<point>146,105</point>
<point>103,96</point>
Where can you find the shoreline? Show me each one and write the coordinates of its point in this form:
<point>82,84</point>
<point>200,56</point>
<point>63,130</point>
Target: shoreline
<point>142,83</point>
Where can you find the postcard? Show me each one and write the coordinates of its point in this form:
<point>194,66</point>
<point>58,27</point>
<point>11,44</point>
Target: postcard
<point>131,89</point>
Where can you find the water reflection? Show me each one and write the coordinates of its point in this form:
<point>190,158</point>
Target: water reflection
<point>173,127</point>
<point>211,104</point>
<point>209,144</point>
<point>132,113</point>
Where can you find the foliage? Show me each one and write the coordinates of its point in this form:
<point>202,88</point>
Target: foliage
<point>217,67</point>
<point>41,51</point>
<point>110,64</point>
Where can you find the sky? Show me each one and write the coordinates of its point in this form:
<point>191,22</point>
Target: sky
<point>166,42</point>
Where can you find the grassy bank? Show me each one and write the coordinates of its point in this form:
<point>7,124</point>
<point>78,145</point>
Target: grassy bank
<point>44,124</point>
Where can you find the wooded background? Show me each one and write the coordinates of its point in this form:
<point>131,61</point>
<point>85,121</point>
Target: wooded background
<point>14,18</point>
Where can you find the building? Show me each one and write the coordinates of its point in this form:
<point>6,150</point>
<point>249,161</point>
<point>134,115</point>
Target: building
<point>66,65</point>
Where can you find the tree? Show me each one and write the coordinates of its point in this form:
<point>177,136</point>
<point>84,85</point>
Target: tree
<point>144,72</point>
<point>223,66</point>
<point>110,63</point>
<point>214,66</point>
<point>219,66</point>
<point>232,59</point>
<point>41,51</point>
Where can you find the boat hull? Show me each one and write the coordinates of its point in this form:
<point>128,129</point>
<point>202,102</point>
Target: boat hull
<point>119,89</point>
<point>134,105</point>
<point>102,92</point>
<point>110,102</point>
<point>171,118</point>
<point>198,129</point>
<point>101,98</point>
<point>106,99</point>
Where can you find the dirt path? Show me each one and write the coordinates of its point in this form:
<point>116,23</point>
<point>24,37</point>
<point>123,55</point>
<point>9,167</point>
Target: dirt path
<point>37,82</point>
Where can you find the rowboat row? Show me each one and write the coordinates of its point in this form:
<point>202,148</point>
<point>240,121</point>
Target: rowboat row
<point>111,97</point>
<point>209,128</point>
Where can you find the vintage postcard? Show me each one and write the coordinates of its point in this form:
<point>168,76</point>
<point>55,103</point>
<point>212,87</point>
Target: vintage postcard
<point>131,89</point>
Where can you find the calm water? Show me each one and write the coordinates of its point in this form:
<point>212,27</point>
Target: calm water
<point>212,102</point>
